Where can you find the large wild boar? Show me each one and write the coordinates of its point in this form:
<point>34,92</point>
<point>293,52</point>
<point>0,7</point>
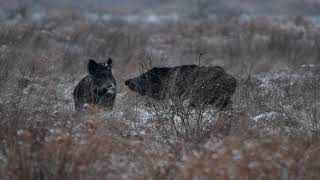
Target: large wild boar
<point>200,85</point>
<point>98,88</point>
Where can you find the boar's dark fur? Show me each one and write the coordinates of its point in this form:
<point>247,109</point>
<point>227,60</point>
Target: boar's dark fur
<point>99,87</point>
<point>201,85</point>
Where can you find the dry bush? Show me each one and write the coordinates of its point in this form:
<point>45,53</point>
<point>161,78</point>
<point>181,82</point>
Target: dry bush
<point>275,61</point>
<point>282,103</point>
<point>88,151</point>
<point>180,117</point>
<point>232,158</point>
<point>232,123</point>
<point>176,121</point>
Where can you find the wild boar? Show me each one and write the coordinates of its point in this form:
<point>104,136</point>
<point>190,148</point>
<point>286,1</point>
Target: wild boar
<point>200,85</point>
<point>98,88</point>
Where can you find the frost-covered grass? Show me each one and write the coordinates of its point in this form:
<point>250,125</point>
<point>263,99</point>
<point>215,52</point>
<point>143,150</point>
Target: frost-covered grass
<point>275,115</point>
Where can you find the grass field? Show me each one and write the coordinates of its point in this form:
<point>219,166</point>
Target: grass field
<point>272,132</point>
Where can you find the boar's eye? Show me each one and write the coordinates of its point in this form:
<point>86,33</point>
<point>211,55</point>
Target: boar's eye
<point>154,77</point>
<point>144,76</point>
<point>98,81</point>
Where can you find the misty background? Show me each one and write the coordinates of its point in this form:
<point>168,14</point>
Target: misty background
<point>153,11</point>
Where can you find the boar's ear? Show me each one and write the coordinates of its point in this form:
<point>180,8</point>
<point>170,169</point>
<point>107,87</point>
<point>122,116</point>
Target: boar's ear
<point>92,66</point>
<point>109,62</point>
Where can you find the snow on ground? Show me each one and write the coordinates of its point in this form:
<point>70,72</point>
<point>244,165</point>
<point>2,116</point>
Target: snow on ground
<point>268,80</point>
<point>267,115</point>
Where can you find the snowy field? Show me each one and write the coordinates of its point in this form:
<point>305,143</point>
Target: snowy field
<point>272,132</point>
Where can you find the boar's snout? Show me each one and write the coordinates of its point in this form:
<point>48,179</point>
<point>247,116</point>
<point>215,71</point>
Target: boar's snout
<point>127,82</point>
<point>130,83</point>
<point>110,89</point>
<point>107,90</point>
<point>134,86</point>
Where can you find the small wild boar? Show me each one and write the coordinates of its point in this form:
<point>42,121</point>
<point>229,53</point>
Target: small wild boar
<point>200,85</point>
<point>98,88</point>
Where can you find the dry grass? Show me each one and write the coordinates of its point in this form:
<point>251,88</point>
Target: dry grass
<point>252,159</point>
<point>92,153</point>
<point>276,62</point>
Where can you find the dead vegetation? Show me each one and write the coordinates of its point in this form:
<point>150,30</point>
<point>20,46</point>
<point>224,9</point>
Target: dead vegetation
<point>276,106</point>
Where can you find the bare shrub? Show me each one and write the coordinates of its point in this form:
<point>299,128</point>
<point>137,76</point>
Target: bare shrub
<point>178,121</point>
<point>91,152</point>
<point>187,116</point>
<point>275,60</point>
<point>237,124</point>
<point>265,158</point>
